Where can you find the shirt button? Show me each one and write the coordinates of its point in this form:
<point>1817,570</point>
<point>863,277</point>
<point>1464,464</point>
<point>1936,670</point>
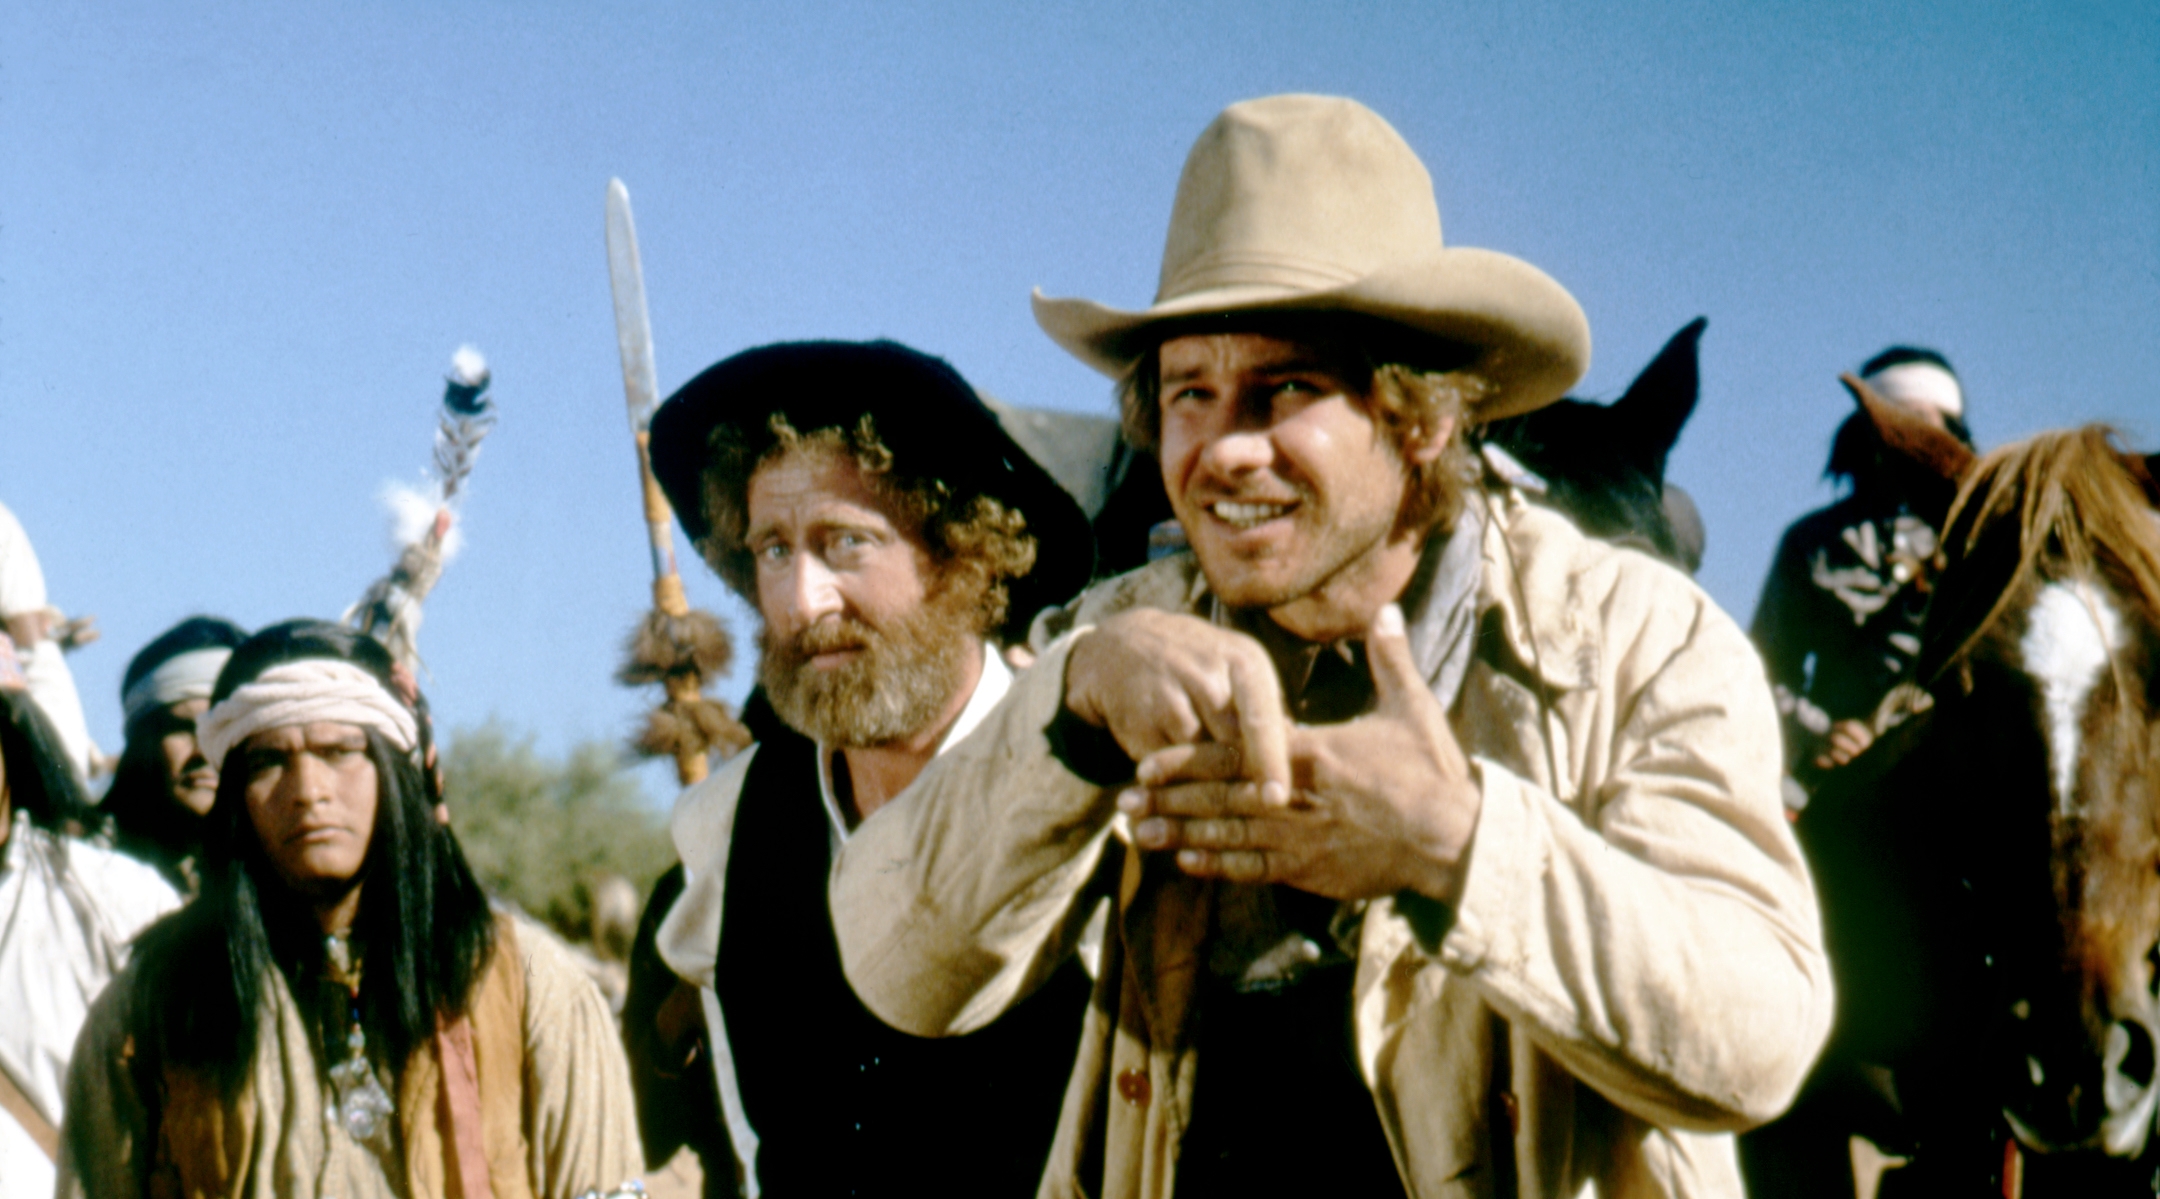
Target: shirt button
<point>1133,1087</point>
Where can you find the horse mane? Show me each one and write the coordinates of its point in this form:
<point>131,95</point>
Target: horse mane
<point>2064,503</point>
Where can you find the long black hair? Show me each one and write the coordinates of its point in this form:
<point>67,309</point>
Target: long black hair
<point>147,822</point>
<point>424,931</point>
<point>40,781</point>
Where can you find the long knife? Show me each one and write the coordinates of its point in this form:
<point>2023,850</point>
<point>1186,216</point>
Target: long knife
<point>633,337</point>
<point>674,646</point>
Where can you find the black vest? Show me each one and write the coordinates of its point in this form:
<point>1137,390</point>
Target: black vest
<point>842,1104</point>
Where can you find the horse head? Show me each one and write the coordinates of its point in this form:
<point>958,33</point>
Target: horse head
<point>1929,451</point>
<point>1604,464</point>
<point>2043,641</point>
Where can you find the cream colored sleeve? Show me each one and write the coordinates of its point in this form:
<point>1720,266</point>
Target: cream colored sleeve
<point>960,896</point>
<point>580,1119</point>
<point>107,1130</point>
<point>1658,936</point>
<point>22,583</point>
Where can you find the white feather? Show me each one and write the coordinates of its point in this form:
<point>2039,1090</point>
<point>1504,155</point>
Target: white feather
<point>412,516</point>
<point>468,367</point>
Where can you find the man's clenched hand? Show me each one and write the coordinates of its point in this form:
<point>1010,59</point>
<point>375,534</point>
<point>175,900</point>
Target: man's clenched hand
<point>1161,679</point>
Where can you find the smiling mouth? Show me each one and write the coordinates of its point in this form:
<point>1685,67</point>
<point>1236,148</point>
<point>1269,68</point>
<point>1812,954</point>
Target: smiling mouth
<point>1248,514</point>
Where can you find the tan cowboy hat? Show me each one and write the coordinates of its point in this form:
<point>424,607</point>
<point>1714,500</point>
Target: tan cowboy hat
<point>1316,203</point>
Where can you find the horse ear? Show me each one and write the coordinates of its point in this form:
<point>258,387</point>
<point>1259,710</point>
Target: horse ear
<point>1912,436</point>
<point>1660,400</point>
<point>2146,471</point>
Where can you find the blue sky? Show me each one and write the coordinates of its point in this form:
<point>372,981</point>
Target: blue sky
<point>238,243</point>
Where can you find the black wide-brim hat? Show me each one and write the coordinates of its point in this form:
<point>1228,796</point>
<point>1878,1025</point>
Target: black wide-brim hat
<point>926,414</point>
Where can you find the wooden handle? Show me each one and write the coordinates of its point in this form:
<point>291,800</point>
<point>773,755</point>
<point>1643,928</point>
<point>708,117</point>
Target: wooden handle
<point>657,511</point>
<point>667,595</point>
<point>690,765</point>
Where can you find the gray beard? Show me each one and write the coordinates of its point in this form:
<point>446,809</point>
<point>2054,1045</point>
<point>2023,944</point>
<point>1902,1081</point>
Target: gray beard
<point>895,688</point>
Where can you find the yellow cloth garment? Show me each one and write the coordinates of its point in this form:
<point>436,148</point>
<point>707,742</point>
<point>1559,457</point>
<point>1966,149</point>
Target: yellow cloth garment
<point>558,1117</point>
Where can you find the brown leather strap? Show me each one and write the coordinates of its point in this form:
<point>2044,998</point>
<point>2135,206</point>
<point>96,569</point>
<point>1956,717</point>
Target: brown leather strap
<point>461,1095</point>
<point>26,1114</point>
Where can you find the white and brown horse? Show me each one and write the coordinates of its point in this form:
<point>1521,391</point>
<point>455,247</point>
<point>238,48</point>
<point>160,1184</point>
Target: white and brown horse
<point>1990,872</point>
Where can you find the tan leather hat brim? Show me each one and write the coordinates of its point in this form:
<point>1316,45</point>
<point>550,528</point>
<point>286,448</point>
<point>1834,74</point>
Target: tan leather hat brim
<point>1535,338</point>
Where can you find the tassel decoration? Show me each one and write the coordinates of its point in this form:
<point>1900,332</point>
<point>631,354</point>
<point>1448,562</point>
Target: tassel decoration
<point>664,646</point>
<point>681,651</point>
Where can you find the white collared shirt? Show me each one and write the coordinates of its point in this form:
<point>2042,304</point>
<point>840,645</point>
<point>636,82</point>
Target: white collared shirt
<point>996,680</point>
<point>68,910</point>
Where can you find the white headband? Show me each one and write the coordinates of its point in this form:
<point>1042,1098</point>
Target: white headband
<point>302,692</point>
<point>1920,383</point>
<point>183,676</point>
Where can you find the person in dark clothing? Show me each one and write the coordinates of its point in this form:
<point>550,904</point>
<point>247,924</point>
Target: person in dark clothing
<point>676,1104</point>
<point>1840,615</point>
<point>892,538</point>
<point>164,785</point>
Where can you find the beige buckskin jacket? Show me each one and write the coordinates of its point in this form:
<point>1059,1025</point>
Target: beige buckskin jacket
<point>556,1112</point>
<point>1643,923</point>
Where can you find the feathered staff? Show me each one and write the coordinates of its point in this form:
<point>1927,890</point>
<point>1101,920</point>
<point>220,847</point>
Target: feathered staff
<point>676,645</point>
<point>424,520</point>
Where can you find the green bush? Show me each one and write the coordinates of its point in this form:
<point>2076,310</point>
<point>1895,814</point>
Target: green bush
<point>542,832</point>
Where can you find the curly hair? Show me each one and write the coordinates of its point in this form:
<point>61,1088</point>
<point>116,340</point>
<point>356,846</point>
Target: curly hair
<point>973,539</point>
<point>1410,383</point>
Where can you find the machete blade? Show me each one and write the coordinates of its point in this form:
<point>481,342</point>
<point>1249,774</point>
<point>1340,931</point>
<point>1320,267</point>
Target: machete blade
<point>633,325</point>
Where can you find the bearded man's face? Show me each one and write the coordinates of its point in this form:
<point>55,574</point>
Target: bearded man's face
<point>864,643</point>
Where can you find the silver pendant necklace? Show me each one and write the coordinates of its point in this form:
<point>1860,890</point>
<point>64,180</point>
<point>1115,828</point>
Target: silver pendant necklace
<point>358,1103</point>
